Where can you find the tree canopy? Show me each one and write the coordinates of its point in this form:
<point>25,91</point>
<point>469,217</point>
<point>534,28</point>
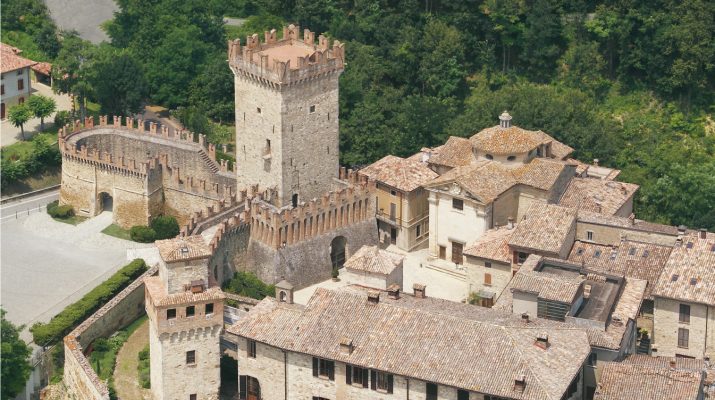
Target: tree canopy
<point>16,367</point>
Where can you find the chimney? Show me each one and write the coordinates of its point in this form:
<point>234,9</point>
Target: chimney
<point>703,233</point>
<point>393,291</point>
<point>419,290</point>
<point>346,346</point>
<point>525,317</point>
<point>595,162</point>
<point>586,291</point>
<point>505,120</point>
<point>542,341</point>
<point>672,364</point>
<point>520,383</point>
<point>510,223</point>
<point>373,296</point>
<point>599,208</point>
<point>682,229</point>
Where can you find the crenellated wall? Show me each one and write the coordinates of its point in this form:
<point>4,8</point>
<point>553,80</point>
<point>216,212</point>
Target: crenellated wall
<point>146,171</point>
<point>79,376</point>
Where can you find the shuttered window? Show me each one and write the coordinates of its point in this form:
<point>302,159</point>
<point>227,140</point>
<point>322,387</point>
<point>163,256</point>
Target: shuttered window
<point>356,376</point>
<point>323,368</point>
<point>381,381</point>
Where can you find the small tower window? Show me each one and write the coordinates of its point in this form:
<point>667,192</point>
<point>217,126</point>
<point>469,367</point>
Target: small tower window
<point>258,110</point>
<point>312,109</point>
<point>190,311</point>
<point>191,357</point>
<point>268,145</point>
<point>294,200</point>
<point>489,157</point>
<point>171,313</point>
<point>209,308</point>
<point>511,158</point>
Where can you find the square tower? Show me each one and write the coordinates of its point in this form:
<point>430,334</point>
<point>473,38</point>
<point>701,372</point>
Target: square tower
<point>185,309</point>
<point>287,113</point>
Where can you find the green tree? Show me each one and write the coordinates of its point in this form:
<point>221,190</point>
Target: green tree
<point>42,107</point>
<point>19,115</point>
<point>212,90</point>
<point>542,40</point>
<point>16,367</point>
<point>441,69</point>
<point>70,70</point>
<point>117,80</point>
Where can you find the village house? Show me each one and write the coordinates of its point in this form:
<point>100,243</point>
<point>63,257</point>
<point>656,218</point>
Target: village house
<point>401,201</point>
<point>685,299</point>
<point>646,377</point>
<point>488,264</point>
<point>357,344</point>
<point>372,267</point>
<point>15,69</point>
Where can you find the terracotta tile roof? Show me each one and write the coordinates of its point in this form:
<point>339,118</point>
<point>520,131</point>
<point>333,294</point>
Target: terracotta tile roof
<point>373,260</point>
<point>44,68</point>
<point>591,217</point>
<point>503,141</point>
<point>403,174</point>
<point>183,248</point>
<point>160,297</point>
<point>588,193</point>
<point>547,286</point>
<point>559,150</point>
<point>665,362</point>
<point>626,381</point>
<point>541,173</point>
<point>457,151</point>
<point>492,245</point>
<point>485,180</point>
<point>631,259</point>
<point>10,60</point>
<point>545,228</point>
<point>689,273</point>
<point>460,352</point>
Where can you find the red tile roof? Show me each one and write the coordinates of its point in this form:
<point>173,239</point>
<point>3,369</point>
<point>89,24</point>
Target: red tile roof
<point>10,60</point>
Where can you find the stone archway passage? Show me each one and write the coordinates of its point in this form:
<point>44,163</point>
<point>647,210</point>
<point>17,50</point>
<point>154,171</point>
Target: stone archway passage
<point>106,202</point>
<point>337,251</point>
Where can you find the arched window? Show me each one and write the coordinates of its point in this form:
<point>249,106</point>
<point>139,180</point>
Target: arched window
<point>489,157</point>
<point>250,389</point>
<point>511,158</point>
<point>282,297</point>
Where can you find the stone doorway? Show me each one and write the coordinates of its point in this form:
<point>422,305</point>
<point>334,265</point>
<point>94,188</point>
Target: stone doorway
<point>338,251</point>
<point>106,202</point>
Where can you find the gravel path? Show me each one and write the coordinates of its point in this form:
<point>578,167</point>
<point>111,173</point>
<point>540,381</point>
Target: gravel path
<point>126,376</point>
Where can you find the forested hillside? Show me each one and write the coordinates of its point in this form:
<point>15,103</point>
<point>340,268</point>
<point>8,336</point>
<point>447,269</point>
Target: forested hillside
<point>631,83</point>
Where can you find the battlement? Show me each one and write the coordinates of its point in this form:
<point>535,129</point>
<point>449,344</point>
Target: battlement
<point>285,61</point>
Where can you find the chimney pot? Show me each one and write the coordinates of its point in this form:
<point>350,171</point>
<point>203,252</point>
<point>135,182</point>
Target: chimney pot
<point>703,233</point>
<point>510,222</point>
<point>520,383</point>
<point>393,291</point>
<point>542,341</point>
<point>346,345</point>
<point>505,120</point>
<point>525,317</point>
<point>373,296</point>
<point>419,290</point>
<point>672,364</point>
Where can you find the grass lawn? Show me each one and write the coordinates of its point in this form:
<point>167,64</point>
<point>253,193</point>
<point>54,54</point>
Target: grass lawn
<point>103,359</point>
<point>20,149</point>
<point>73,220</point>
<point>117,231</point>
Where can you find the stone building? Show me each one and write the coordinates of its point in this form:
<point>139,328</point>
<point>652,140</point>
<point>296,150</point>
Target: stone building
<point>185,309</point>
<point>375,268</point>
<point>685,299</point>
<point>15,87</point>
<point>287,112</point>
<point>356,344</point>
<point>488,262</point>
<point>401,210</point>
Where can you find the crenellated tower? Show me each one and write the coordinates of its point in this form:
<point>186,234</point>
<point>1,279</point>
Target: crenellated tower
<point>185,309</point>
<point>287,113</point>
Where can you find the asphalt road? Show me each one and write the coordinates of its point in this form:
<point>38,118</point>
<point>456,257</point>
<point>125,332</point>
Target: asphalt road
<point>23,208</point>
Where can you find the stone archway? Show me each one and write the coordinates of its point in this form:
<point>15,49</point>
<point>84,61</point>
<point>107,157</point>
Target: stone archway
<point>106,202</point>
<point>338,252</point>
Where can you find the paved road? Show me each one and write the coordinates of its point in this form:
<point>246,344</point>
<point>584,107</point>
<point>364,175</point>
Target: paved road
<point>19,209</point>
<point>84,16</point>
<point>47,265</point>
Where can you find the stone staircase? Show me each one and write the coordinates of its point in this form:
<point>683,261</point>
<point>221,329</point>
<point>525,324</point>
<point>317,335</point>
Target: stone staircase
<point>213,166</point>
<point>643,346</point>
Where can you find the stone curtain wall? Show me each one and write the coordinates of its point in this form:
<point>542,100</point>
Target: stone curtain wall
<point>79,377</point>
<point>145,171</point>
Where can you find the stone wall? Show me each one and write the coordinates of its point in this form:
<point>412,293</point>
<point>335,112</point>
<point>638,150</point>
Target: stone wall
<point>79,377</point>
<point>666,322</point>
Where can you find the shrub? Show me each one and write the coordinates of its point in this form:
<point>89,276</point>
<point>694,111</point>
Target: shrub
<point>51,206</point>
<point>59,326</point>
<point>100,345</point>
<point>247,284</point>
<point>61,212</point>
<point>142,234</point>
<point>144,368</point>
<point>62,118</point>
<point>165,227</point>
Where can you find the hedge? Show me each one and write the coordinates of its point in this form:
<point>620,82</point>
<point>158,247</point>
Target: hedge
<point>142,234</point>
<point>43,155</point>
<point>57,211</point>
<point>59,326</point>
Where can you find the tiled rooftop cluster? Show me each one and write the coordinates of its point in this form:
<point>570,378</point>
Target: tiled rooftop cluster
<point>597,195</point>
<point>544,228</point>
<point>373,260</point>
<point>10,59</point>
<point>400,173</point>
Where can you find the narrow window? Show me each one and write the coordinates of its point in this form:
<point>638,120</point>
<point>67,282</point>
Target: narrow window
<point>511,158</point>
<point>251,348</point>
<point>457,253</point>
<point>457,204</point>
<point>192,396</point>
<point>20,84</point>
<point>356,376</point>
<point>328,116</point>
<point>442,252</point>
<point>431,391</point>
<point>381,381</point>
<point>190,311</point>
<point>312,109</point>
<point>683,337</point>
<point>258,110</point>
<point>294,200</point>
<point>328,149</point>
<point>487,264</point>
<point>209,309</point>
<point>2,89</point>
<point>419,230</point>
<point>268,145</point>
<point>684,314</point>
<point>191,357</point>
<point>589,235</point>
<point>323,368</point>
<point>19,72</point>
<point>171,313</point>
<point>521,258</point>
<point>489,157</point>
<point>462,395</point>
